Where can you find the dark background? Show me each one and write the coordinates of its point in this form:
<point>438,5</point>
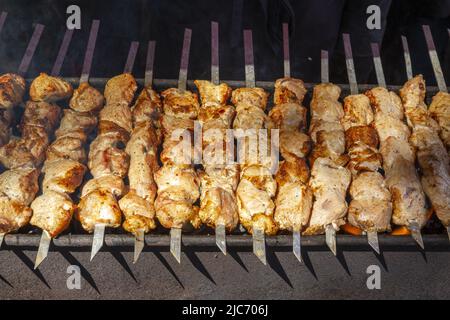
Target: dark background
<point>314,25</point>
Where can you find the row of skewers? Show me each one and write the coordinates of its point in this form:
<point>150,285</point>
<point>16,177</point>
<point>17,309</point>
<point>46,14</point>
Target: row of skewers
<point>366,147</point>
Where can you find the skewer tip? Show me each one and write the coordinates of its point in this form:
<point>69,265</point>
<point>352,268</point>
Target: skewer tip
<point>372,238</point>
<point>259,245</point>
<point>97,242</point>
<point>296,245</point>
<point>220,238</point>
<point>330,238</point>
<point>44,246</point>
<point>448,233</point>
<point>175,243</point>
<point>138,244</point>
<point>417,235</point>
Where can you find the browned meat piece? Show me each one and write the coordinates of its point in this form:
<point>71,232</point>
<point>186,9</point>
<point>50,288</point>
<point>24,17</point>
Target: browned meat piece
<point>86,99</point>
<point>370,208</point>
<point>178,189</point>
<point>97,207</point>
<point>20,185</point>
<point>386,102</point>
<point>255,195</point>
<point>211,94</point>
<point>329,183</point>
<point>440,111</point>
<point>109,183</point>
<point>180,103</point>
<point>63,176</point>
<point>148,107</point>
<point>289,90</point>
<point>288,116</point>
<point>52,212</point>
<point>120,89</point>
<point>12,89</point>
<point>294,198</point>
<point>73,122</point>
<point>294,145</point>
<point>13,215</point>
<point>49,89</point>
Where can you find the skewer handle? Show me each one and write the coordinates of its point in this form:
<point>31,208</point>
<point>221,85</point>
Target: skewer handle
<point>287,62</point>
<point>3,16</point>
<point>407,55</point>
<point>378,65</point>
<point>89,54</point>
<point>182,79</point>
<point>439,75</point>
<point>62,52</point>
<point>29,52</point>
<point>324,68</point>
<point>2,237</point>
<point>350,64</point>
<point>215,52</point>
<point>249,62</point>
<point>131,57</point>
<point>148,80</point>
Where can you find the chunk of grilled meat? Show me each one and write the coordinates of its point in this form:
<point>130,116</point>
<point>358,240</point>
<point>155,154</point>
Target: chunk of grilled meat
<point>120,89</point>
<point>255,194</point>
<point>294,197</point>
<point>86,99</point>
<point>440,111</point>
<point>20,185</point>
<point>12,89</point>
<point>49,89</point>
<point>329,183</point>
<point>148,106</point>
<point>431,154</point>
<point>289,90</point>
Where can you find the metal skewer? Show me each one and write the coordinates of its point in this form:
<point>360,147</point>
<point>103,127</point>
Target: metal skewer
<point>407,55</point>
<point>372,236</point>
<point>2,236</point>
<point>287,61</point>
<point>175,233</point>
<point>46,239</point>
<point>296,234</point>
<point>3,16</point>
<point>330,232</point>
<point>31,48</point>
<point>99,231</point>
<point>438,74</point>
<point>139,237</point>
<point>259,242</point>
<point>220,229</point>
<point>324,69</point>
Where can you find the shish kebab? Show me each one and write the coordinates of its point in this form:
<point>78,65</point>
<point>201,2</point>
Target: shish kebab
<point>408,199</point>
<point>294,197</point>
<point>433,161</point>
<point>219,177</point>
<point>330,178</point>
<point>370,208</point>
<point>138,204</point>
<point>19,183</point>
<point>64,167</point>
<point>177,181</point>
<point>257,187</point>
<point>108,162</point>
